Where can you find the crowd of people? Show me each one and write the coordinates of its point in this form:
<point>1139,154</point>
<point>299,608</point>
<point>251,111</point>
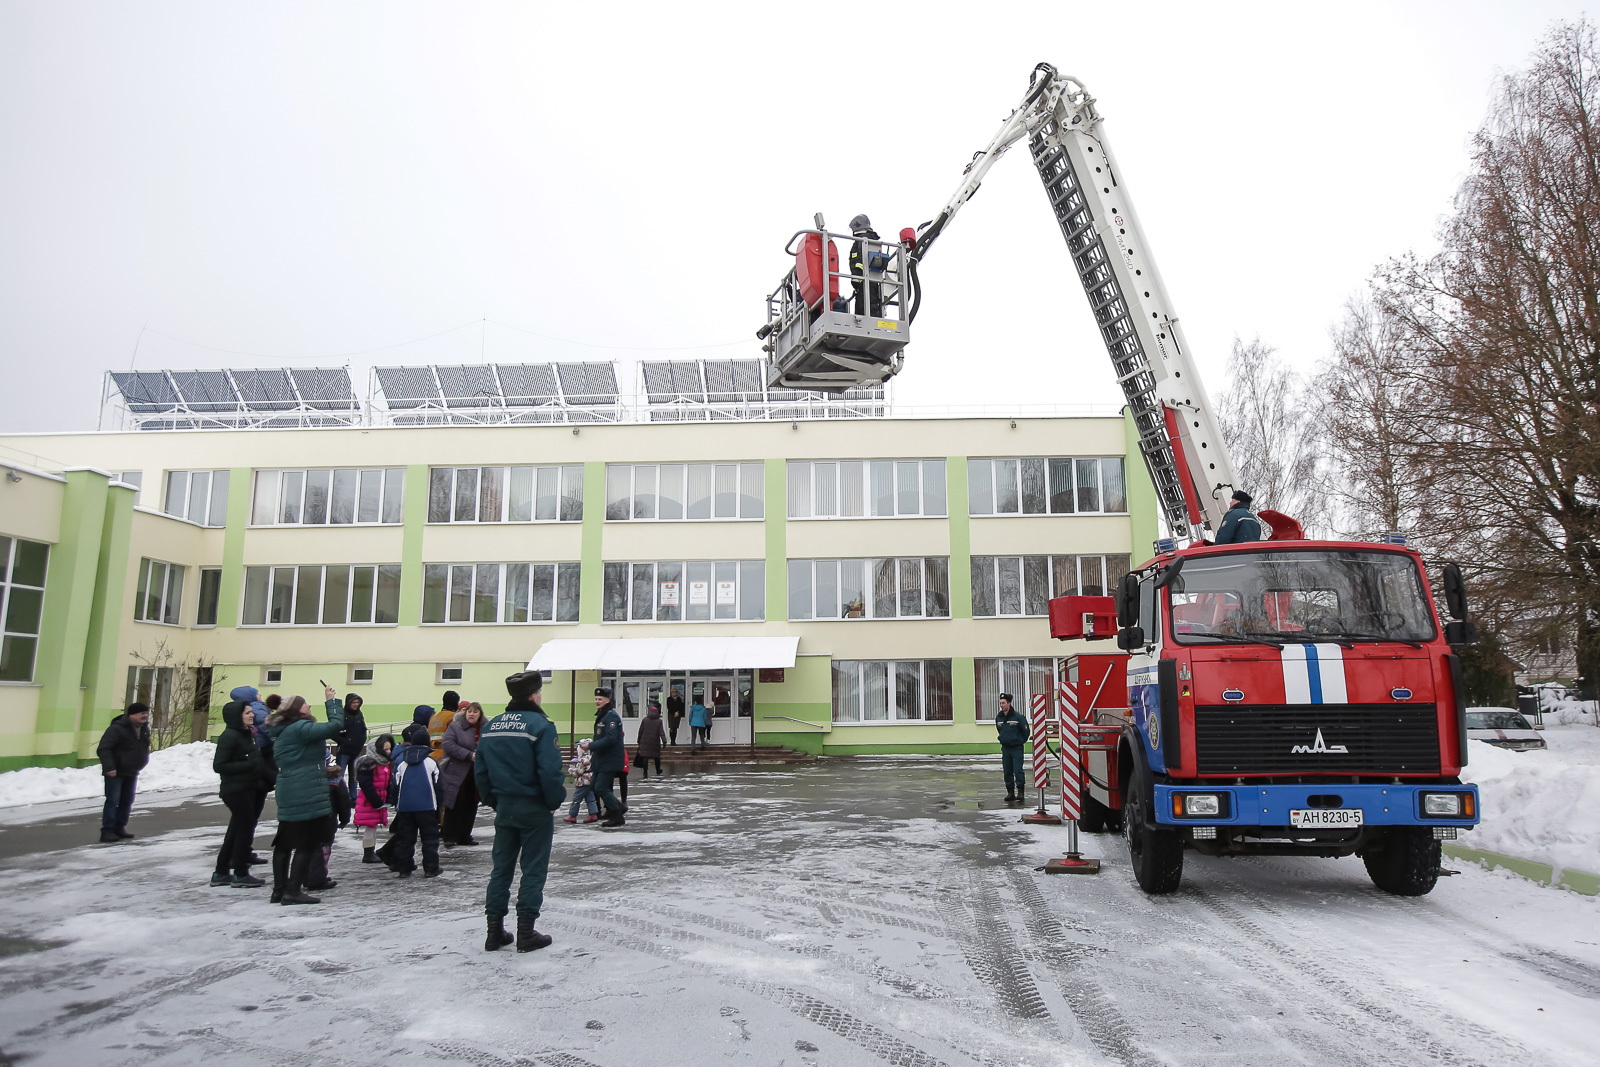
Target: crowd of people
<point>424,788</point>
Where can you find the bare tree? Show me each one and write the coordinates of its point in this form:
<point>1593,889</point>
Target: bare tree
<point>179,688</point>
<point>1502,340</point>
<point>1272,430</point>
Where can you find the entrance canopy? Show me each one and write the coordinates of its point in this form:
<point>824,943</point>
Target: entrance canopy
<point>664,654</point>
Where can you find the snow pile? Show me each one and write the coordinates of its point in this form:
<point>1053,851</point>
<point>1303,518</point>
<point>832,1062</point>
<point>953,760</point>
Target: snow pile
<point>1542,806</point>
<point>1569,712</point>
<point>179,767</point>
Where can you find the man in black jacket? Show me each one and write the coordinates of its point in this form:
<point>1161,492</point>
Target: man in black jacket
<point>1013,731</point>
<point>868,298</point>
<point>674,715</point>
<point>352,740</point>
<point>124,750</point>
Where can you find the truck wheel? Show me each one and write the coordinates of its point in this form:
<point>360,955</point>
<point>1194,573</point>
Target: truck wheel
<point>1406,863</point>
<point>1157,855</point>
<point>1096,818</point>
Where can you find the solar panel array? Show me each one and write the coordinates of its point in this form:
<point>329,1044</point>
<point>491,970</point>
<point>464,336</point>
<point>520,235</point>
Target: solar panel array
<point>495,393</point>
<point>699,390</point>
<point>237,399</point>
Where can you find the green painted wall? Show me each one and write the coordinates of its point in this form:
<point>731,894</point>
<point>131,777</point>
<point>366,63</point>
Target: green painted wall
<point>415,519</point>
<point>1143,507</point>
<point>955,477</point>
<point>594,525</point>
<point>777,538</point>
<point>103,689</point>
<point>239,487</point>
<point>68,609</point>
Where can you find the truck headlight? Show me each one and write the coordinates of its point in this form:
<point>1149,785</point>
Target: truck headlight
<point>1441,804</point>
<point>1201,804</point>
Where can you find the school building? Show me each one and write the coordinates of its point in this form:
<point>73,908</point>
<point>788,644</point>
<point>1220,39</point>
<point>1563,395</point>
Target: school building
<point>823,573</point>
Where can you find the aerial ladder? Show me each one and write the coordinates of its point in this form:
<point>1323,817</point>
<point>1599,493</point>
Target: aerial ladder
<point>819,338</point>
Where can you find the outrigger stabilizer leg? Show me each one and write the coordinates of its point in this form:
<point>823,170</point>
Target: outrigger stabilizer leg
<point>1072,863</point>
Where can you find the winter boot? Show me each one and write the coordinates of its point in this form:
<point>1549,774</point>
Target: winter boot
<point>569,818</point>
<point>246,881</point>
<point>109,837</point>
<point>221,878</point>
<point>369,855</point>
<point>591,818</point>
<point>529,939</point>
<point>254,860</point>
<point>613,818</point>
<point>124,835</point>
<point>498,937</point>
<point>280,873</point>
<point>293,893</point>
<point>295,896</point>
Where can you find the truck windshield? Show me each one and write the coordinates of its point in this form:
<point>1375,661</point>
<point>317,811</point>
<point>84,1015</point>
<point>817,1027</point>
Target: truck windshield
<point>1310,595</point>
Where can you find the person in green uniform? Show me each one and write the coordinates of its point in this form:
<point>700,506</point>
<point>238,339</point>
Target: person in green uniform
<point>518,772</point>
<point>1013,731</point>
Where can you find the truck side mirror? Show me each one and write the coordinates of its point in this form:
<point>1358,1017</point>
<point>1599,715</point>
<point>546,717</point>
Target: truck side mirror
<point>1130,638</point>
<point>1455,592</point>
<point>1460,632</point>
<point>1128,600</point>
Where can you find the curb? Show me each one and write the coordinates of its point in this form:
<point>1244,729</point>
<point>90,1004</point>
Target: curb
<point>1545,874</point>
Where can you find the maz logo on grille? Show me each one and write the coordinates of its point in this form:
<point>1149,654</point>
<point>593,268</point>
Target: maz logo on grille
<point>1318,746</point>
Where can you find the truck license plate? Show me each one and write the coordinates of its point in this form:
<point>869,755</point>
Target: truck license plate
<point>1335,818</point>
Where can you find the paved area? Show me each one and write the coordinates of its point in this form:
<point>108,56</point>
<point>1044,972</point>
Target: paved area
<point>848,912</point>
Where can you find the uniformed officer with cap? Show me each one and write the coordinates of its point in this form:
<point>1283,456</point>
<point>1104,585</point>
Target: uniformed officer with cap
<point>1013,731</point>
<point>518,771</point>
<point>606,755</point>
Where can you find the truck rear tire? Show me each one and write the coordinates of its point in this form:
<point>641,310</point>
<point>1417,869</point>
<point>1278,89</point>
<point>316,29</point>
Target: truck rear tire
<point>1406,863</point>
<point>1097,818</point>
<point>1156,854</point>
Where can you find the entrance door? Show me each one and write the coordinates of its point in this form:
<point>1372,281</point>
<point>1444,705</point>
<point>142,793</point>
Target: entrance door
<point>728,725</point>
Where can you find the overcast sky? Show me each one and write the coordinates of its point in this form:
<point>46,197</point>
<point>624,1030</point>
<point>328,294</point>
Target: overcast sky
<point>217,184</point>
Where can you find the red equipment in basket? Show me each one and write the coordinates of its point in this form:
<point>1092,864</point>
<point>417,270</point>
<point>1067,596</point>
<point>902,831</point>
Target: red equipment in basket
<point>1090,617</point>
<point>814,280</point>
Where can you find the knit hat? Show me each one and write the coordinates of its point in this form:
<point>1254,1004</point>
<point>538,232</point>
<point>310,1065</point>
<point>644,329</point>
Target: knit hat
<point>1242,497</point>
<point>451,700</point>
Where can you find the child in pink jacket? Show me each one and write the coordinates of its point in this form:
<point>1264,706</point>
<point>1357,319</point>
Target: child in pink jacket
<point>372,787</point>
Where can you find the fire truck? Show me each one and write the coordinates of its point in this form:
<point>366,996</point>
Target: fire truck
<point>1286,696</point>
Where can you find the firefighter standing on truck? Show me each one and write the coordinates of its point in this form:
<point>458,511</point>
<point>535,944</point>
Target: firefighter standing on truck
<point>868,298</point>
<point>1013,731</point>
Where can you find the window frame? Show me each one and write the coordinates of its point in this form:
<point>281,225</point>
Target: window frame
<point>385,580</point>
<point>1018,468</point>
<point>201,595</point>
<point>216,479</point>
<point>868,599</point>
<point>747,583</point>
<point>508,472</point>
<point>891,675</point>
<point>896,469</point>
<point>503,587</point>
<point>1051,589</point>
<point>279,476</point>
<point>983,714</point>
<point>631,502</point>
<point>171,599</point>
<point>8,584</point>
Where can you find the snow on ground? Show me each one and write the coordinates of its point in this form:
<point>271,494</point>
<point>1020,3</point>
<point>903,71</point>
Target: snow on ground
<point>862,914</point>
<point>179,767</point>
<point>1540,805</point>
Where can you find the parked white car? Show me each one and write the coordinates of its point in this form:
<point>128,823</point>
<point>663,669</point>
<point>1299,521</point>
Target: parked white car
<point>1504,727</point>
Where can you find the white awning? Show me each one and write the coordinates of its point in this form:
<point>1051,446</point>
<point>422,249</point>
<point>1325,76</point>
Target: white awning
<point>664,654</point>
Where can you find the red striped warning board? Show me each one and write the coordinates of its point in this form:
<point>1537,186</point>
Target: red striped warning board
<point>1071,755</point>
<point>1041,749</point>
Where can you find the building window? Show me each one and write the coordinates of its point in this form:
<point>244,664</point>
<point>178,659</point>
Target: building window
<point>866,488</point>
<point>360,674</point>
<point>22,568</point>
<point>1024,679</point>
<point>160,592</point>
<point>198,496</point>
<point>448,674</point>
<point>500,592</point>
<point>272,676</point>
<point>210,586</point>
<point>892,691</point>
<point>344,497</point>
<point>136,479</point>
<point>152,687</point>
<point>911,587</point>
<point>334,595</point>
<point>692,591</point>
<point>684,491</point>
<point>1046,486</point>
<point>1023,585</point>
<point>505,494</point>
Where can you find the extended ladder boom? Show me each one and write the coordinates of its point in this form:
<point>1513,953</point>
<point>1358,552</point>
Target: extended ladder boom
<point>1178,433</point>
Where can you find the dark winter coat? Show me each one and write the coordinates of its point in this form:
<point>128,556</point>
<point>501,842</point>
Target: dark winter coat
<point>238,761</point>
<point>302,754</point>
<point>674,711</point>
<point>651,732</point>
<point>124,747</point>
<point>459,744</point>
<point>353,738</point>
<point>1239,527</point>
<point>606,750</point>
<point>247,695</point>
<point>414,786</point>
<point>1012,728</point>
<point>518,769</point>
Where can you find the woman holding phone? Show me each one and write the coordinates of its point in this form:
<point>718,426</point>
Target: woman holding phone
<point>305,811</point>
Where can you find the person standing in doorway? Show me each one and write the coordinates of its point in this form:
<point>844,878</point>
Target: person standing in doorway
<point>606,751</point>
<point>674,714</point>
<point>124,749</point>
<point>352,740</point>
<point>649,745</point>
<point>518,774</point>
<point>699,725</point>
<point>457,790</point>
<point>1013,731</point>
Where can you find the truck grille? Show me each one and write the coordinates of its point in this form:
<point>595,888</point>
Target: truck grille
<point>1377,739</point>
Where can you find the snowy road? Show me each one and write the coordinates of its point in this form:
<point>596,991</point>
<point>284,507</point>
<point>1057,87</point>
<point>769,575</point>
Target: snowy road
<point>863,912</point>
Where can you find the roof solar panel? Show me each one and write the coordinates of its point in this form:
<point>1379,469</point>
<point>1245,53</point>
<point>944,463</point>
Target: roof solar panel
<point>324,388</point>
<point>528,384</point>
<point>719,381</point>
<point>205,390</point>
<point>146,391</point>
<point>602,382</point>
<point>747,380</point>
<point>408,387</point>
<point>657,380</point>
<point>686,380</point>
<point>469,386</point>
<point>265,390</point>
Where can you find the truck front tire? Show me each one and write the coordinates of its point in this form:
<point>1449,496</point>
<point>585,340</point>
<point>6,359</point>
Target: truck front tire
<point>1156,854</point>
<point>1406,863</point>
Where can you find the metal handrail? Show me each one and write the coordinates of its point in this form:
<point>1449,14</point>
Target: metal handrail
<point>824,727</point>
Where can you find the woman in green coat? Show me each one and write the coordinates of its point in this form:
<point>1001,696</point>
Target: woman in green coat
<point>305,812</point>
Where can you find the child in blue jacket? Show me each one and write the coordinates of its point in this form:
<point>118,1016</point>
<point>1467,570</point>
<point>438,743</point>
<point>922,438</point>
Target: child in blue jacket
<point>413,790</point>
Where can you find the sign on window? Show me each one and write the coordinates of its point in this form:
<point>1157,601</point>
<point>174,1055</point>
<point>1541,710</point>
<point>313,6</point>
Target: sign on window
<point>669,594</point>
<point>726,593</point>
<point>699,594</point>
